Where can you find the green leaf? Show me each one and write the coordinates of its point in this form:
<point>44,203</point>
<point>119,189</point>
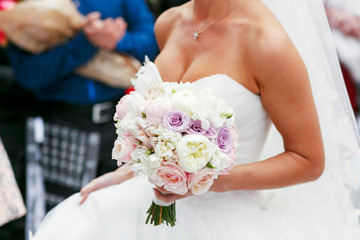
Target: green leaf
<point>209,165</point>
<point>226,115</point>
<point>151,151</point>
<point>143,115</point>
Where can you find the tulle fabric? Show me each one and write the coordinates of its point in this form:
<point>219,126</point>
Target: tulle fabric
<point>317,210</point>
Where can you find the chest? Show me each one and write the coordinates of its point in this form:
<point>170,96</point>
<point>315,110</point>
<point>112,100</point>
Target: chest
<point>215,51</point>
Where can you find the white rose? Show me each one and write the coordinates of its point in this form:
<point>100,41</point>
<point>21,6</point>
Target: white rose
<point>194,152</point>
<point>183,100</point>
<point>170,88</point>
<point>156,90</point>
<point>220,161</point>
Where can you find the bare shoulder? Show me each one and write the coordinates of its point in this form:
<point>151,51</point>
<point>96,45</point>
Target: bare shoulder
<point>267,35</point>
<point>165,23</point>
<point>270,48</point>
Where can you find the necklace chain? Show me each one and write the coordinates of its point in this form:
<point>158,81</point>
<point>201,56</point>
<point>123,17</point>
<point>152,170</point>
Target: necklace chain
<point>197,33</point>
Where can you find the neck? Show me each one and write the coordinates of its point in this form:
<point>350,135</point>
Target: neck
<point>210,10</point>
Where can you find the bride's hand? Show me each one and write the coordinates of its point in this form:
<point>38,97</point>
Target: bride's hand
<point>116,177</point>
<point>169,197</point>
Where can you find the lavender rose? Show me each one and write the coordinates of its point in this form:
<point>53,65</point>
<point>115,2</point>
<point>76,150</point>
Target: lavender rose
<point>195,127</point>
<point>224,139</point>
<point>211,133</point>
<point>176,121</point>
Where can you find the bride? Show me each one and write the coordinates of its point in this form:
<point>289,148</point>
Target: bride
<point>273,62</point>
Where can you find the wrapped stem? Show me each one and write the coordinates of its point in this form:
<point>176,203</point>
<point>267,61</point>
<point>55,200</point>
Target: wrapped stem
<point>161,214</point>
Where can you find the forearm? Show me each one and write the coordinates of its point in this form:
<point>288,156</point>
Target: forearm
<point>36,71</point>
<point>282,170</point>
<point>123,174</point>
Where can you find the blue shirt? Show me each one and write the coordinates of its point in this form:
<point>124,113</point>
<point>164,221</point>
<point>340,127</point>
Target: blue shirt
<point>50,75</point>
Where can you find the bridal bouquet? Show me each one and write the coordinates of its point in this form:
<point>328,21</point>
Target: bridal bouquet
<point>179,136</point>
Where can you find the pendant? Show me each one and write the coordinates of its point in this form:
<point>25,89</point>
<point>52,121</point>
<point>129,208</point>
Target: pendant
<point>196,35</point>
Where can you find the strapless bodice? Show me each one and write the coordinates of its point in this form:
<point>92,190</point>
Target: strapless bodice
<point>251,119</point>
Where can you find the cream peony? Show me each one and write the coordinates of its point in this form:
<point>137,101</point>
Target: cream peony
<point>194,152</point>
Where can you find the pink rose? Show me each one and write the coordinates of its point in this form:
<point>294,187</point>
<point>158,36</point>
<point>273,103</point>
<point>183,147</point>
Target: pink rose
<point>200,182</point>
<point>171,176</point>
<point>156,109</point>
<point>123,148</point>
<point>122,108</point>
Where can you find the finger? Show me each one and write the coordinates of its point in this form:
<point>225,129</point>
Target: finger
<point>93,16</point>
<point>96,25</point>
<point>83,199</point>
<point>120,20</point>
<point>90,187</point>
<point>162,190</point>
<point>169,198</point>
<point>108,22</point>
<point>162,197</point>
<point>120,23</point>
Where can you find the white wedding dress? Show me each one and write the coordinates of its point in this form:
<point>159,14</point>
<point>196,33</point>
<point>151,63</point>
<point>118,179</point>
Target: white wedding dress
<point>319,210</point>
<point>119,212</point>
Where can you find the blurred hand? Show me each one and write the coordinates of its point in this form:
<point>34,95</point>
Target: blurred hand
<point>116,177</point>
<point>169,197</point>
<point>106,33</point>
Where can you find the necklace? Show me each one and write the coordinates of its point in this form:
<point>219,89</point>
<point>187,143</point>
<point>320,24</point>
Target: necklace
<point>197,33</point>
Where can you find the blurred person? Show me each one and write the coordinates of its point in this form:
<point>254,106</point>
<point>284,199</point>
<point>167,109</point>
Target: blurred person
<point>11,203</point>
<point>16,104</point>
<point>70,101</point>
<point>344,20</point>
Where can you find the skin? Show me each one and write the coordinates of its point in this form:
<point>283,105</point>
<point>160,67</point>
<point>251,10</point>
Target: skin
<point>281,80</point>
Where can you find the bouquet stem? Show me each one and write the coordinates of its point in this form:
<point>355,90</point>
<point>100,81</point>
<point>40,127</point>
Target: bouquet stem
<point>161,214</point>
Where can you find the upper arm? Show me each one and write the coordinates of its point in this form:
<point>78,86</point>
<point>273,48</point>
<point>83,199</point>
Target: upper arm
<point>287,97</point>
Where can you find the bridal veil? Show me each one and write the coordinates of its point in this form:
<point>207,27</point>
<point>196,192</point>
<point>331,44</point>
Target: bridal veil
<point>306,24</point>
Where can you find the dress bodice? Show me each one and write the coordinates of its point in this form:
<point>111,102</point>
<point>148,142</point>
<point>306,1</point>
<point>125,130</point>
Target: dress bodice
<point>251,119</point>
